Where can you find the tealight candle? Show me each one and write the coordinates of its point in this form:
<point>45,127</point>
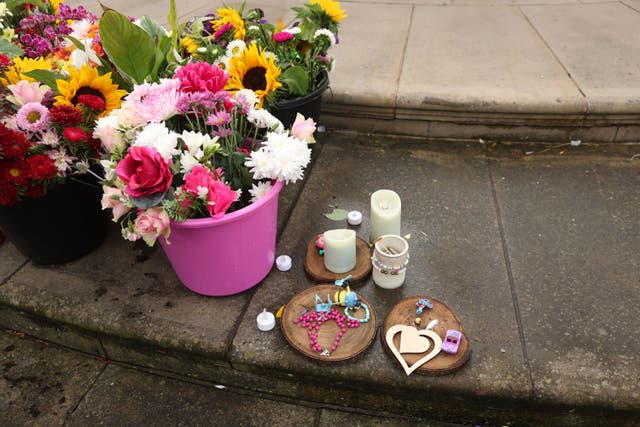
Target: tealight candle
<point>385,213</point>
<point>340,250</point>
<point>266,320</point>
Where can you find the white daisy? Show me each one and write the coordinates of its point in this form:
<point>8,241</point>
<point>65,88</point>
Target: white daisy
<point>323,32</point>
<point>235,48</point>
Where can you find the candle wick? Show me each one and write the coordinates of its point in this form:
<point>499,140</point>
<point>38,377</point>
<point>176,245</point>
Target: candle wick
<point>384,205</point>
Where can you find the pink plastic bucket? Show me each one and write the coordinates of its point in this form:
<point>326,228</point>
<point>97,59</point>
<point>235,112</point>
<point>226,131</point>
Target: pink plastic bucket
<point>228,255</point>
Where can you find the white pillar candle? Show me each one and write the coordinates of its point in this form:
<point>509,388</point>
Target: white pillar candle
<point>340,250</point>
<point>385,213</point>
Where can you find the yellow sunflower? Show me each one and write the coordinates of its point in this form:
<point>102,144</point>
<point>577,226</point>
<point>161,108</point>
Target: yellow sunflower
<point>56,5</point>
<point>15,73</point>
<point>189,45</point>
<point>88,81</point>
<point>252,69</point>
<point>229,15</point>
<point>332,9</point>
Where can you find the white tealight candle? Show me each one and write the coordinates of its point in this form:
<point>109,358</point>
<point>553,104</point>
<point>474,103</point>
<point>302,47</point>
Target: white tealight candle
<point>340,250</point>
<point>385,213</point>
<point>266,321</point>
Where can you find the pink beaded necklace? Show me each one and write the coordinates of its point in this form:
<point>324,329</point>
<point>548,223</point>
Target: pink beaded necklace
<point>312,320</point>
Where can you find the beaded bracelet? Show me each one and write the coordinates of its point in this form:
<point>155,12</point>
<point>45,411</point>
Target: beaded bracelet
<point>366,310</point>
<point>386,269</point>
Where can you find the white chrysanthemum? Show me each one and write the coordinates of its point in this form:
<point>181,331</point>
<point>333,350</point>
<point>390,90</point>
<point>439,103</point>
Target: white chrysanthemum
<point>203,192</point>
<point>293,31</point>
<point>260,190</point>
<point>248,95</point>
<point>79,30</point>
<point>196,140</point>
<point>263,119</point>
<point>253,28</point>
<point>323,32</point>
<point>107,130</point>
<point>80,57</point>
<point>156,135</point>
<point>223,62</point>
<point>187,162</point>
<point>281,157</point>
<point>235,48</point>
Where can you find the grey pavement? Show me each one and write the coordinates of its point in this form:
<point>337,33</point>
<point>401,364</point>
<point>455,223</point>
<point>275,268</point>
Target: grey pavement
<point>534,247</point>
<point>507,70</point>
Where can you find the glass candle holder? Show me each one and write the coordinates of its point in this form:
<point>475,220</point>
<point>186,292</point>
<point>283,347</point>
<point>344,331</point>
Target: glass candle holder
<point>390,259</point>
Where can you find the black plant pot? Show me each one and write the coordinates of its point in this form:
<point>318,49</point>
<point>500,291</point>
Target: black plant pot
<point>307,105</point>
<point>64,224</point>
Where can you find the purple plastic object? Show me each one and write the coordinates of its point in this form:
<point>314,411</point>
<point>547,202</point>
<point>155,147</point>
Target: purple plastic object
<point>229,255</point>
<point>451,341</point>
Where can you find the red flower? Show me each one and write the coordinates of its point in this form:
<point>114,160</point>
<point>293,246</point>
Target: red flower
<point>15,173</point>
<point>74,134</point>
<point>65,115</point>
<point>5,61</point>
<point>42,167</point>
<point>94,144</point>
<point>94,102</point>
<point>282,36</point>
<point>201,77</point>
<point>8,195</point>
<point>12,143</point>
<point>36,191</point>
<point>144,171</point>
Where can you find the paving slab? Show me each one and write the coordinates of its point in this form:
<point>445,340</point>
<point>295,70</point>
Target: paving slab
<point>571,228</point>
<point>486,59</point>
<point>456,256</point>
<point>128,291</point>
<point>40,384</point>
<point>329,418</point>
<point>12,260</point>
<point>599,45</point>
<point>130,397</point>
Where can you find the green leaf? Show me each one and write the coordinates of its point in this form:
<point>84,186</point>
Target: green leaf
<point>152,27</point>
<point>296,80</point>
<point>128,46</point>
<point>10,49</point>
<point>75,41</point>
<point>337,214</point>
<point>46,77</point>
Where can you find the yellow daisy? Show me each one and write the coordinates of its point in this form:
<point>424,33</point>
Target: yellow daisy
<point>251,69</point>
<point>15,73</point>
<point>229,15</point>
<point>332,9</point>
<point>88,81</point>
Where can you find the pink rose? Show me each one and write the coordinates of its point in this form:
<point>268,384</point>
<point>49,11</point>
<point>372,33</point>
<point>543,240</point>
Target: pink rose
<point>220,198</point>
<point>144,171</point>
<point>112,198</point>
<point>199,177</point>
<point>152,223</point>
<point>303,129</point>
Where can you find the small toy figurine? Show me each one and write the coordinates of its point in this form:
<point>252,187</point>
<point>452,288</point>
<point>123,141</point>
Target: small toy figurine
<point>323,307</point>
<point>422,304</point>
<point>451,341</point>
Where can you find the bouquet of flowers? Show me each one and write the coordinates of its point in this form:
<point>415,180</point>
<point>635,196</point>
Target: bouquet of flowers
<point>185,147</point>
<point>274,61</point>
<point>46,134</point>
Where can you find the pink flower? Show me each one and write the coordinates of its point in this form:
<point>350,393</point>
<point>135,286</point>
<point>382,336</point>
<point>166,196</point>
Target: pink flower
<point>74,134</point>
<point>222,30</point>
<point>220,197</point>
<point>282,36</point>
<point>201,77</point>
<point>151,224</point>
<point>219,118</point>
<point>25,92</point>
<point>303,129</point>
<point>112,198</point>
<point>199,178</point>
<point>32,117</point>
<point>144,171</point>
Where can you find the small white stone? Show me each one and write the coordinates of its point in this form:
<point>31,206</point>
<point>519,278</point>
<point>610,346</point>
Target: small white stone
<point>266,321</point>
<point>354,218</point>
<point>283,263</point>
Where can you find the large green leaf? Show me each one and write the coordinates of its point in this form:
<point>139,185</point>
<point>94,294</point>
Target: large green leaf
<point>46,77</point>
<point>10,49</point>
<point>152,27</point>
<point>296,80</point>
<point>128,46</point>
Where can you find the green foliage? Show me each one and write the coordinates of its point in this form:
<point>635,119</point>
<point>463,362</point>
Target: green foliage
<point>128,46</point>
<point>10,49</point>
<point>296,80</point>
<point>47,77</point>
<point>175,210</point>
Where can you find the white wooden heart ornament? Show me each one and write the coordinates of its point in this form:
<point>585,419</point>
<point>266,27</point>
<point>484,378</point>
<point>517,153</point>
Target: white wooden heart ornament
<point>415,341</point>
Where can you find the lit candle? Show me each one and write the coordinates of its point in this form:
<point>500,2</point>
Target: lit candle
<point>385,213</point>
<point>340,250</point>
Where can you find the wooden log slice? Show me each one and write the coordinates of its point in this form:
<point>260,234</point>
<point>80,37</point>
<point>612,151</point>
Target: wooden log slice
<point>314,264</point>
<point>354,342</point>
<point>404,313</point>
